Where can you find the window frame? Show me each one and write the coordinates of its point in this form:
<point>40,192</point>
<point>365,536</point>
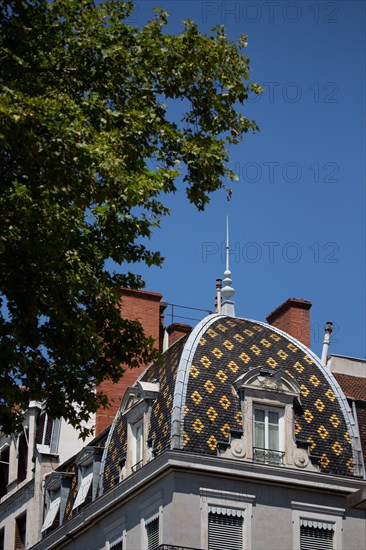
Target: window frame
<point>222,512</point>
<point>240,502</point>
<point>263,406</point>
<point>317,513</point>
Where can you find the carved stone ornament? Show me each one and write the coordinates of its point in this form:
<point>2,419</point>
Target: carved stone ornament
<point>237,448</point>
<point>301,458</point>
<point>271,384</point>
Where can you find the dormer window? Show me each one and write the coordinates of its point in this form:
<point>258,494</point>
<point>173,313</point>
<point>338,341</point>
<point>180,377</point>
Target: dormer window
<point>57,489</point>
<point>88,470</point>
<point>136,406</point>
<point>268,398</point>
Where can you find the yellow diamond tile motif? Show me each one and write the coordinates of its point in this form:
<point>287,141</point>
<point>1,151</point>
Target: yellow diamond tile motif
<point>265,343</point>
<point>186,410</point>
<point>258,328</point>
<point>228,345</point>
<point>248,332</point>
<point>212,442</point>
<point>209,386</point>
<point>314,380</point>
<point>239,338</point>
<point>319,405</point>
<point>337,448</point>
<point>282,354</point>
<point>205,361</point>
<point>224,402</point>
<point>196,397</point>
<point>334,420</point>
<point>202,342</point>
<point>160,419</point>
<point>347,437</point>
<point>165,428</point>
<point>308,416</point>
<point>312,443</point>
<point>221,327</point>
<point>165,392</point>
<point>221,376</point>
<point>114,454</point>
<point>239,418</point>
<point>330,394</point>
<point>157,409</point>
<point>230,323</point>
<point>169,401</point>
<point>323,432</point>
<point>298,428</point>
<point>298,366</point>
<point>289,373</point>
<point>349,465</point>
<point>271,362</point>
<point>198,426</point>
<point>308,359</point>
<point>292,347</point>
<point>225,430</point>
<point>304,390</point>
<point>194,371</point>
<point>256,350</point>
<point>275,337</point>
<point>244,357</point>
<point>211,413</point>
<point>107,472</point>
<point>233,366</point>
<point>211,332</point>
<point>217,353</point>
<point>324,461</point>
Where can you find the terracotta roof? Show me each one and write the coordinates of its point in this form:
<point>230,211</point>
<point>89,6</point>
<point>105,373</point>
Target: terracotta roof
<point>354,387</point>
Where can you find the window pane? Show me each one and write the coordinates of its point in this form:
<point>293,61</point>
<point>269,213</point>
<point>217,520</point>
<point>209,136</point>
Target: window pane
<point>273,417</point>
<point>273,438</point>
<point>259,415</point>
<point>259,440</point>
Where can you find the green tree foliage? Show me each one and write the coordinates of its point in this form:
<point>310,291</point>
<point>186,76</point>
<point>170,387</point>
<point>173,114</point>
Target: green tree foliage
<point>88,149</point>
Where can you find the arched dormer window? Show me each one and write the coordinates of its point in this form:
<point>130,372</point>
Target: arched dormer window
<point>268,399</point>
<point>136,406</point>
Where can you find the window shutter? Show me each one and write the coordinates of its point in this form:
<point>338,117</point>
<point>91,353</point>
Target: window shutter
<point>225,531</point>
<point>51,514</point>
<point>152,530</point>
<point>83,490</point>
<point>316,538</point>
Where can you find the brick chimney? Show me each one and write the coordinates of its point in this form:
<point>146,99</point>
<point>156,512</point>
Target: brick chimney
<point>147,308</point>
<point>176,331</point>
<point>293,317</point>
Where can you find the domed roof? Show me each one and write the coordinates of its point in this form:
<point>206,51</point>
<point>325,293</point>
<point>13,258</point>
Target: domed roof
<point>197,405</point>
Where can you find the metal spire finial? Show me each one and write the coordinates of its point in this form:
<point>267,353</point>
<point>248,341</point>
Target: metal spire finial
<point>227,292</point>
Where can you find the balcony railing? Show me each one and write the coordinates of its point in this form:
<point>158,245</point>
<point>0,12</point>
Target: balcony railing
<point>137,466</point>
<point>268,456</point>
<point>174,547</point>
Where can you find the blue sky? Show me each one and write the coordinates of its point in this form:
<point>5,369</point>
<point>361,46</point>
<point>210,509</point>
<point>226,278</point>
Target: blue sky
<point>297,214</point>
